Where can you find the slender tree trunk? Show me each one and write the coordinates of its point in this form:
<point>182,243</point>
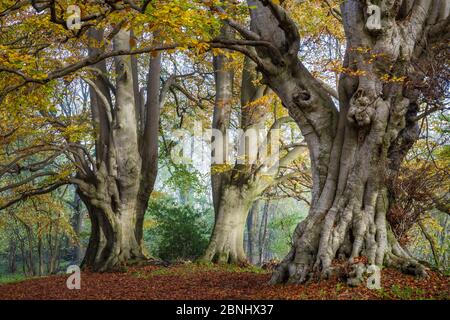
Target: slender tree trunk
<point>252,233</point>
<point>444,262</point>
<point>30,257</point>
<point>77,225</point>
<point>25,267</point>
<point>40,257</point>
<point>263,232</point>
<point>12,257</point>
<point>21,242</point>
<point>50,252</point>
<point>55,249</point>
<point>431,241</point>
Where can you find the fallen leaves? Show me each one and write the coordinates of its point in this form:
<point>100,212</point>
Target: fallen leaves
<point>196,282</point>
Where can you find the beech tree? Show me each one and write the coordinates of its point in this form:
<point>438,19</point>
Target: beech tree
<point>117,188</point>
<point>115,176</point>
<point>259,164</point>
<point>112,157</point>
<point>356,145</point>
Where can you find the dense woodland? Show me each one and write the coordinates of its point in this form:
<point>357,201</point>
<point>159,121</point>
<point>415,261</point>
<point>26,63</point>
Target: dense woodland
<point>123,135</point>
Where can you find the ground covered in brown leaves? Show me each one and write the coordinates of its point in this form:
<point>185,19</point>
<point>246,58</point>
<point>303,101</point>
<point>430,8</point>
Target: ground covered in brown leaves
<point>190,281</point>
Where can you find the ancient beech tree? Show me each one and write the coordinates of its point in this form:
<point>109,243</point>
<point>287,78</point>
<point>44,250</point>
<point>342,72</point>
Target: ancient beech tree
<point>259,164</point>
<point>114,177</point>
<point>117,189</point>
<point>355,146</point>
<point>112,158</point>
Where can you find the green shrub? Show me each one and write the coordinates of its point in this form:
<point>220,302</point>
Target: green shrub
<point>176,231</point>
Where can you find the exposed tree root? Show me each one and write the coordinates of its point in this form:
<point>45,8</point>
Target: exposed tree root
<point>224,254</point>
<point>345,233</point>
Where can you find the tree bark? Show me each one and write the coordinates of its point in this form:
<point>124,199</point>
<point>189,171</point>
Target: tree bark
<point>350,148</point>
<point>235,190</point>
<point>30,258</point>
<point>227,241</point>
<point>40,256</point>
<point>54,248</point>
<point>113,242</point>
<point>117,192</point>
<point>221,119</point>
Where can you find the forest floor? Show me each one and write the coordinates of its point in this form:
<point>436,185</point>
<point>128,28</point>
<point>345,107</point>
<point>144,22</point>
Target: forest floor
<point>192,281</point>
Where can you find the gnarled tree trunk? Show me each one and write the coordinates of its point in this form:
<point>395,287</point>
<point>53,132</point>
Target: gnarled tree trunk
<point>227,241</point>
<point>117,190</point>
<point>113,242</point>
<point>235,191</point>
<point>352,148</point>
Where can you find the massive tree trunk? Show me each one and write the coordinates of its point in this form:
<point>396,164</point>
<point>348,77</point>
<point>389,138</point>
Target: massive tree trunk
<point>227,241</point>
<point>235,190</point>
<point>350,148</point>
<point>113,242</point>
<point>117,190</point>
<point>231,198</point>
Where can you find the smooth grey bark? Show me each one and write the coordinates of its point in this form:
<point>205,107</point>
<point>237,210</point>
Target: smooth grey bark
<point>117,189</point>
<point>227,241</point>
<point>351,148</point>
<point>224,78</point>
<point>237,189</point>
